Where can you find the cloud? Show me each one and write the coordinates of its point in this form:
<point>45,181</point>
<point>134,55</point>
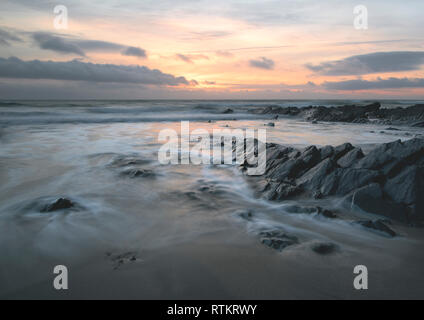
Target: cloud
<point>135,52</point>
<point>81,71</point>
<point>7,36</point>
<point>390,83</point>
<point>207,35</point>
<point>67,45</point>
<point>189,58</point>
<point>262,63</point>
<point>377,62</point>
<point>49,42</point>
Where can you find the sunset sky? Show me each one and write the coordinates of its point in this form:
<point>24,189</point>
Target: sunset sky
<point>222,49</point>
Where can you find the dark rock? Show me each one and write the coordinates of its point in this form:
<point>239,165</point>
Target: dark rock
<point>326,152</point>
<point>341,150</point>
<point>270,124</point>
<point>392,129</point>
<point>313,178</point>
<point>418,124</point>
<point>247,215</point>
<point>138,173</point>
<point>277,239</point>
<point>377,225</point>
<point>228,111</point>
<point>326,213</point>
<point>59,204</point>
<point>350,158</point>
<point>323,247</point>
<point>387,181</point>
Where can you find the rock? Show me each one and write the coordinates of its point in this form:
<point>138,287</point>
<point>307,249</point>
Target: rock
<point>326,152</point>
<point>313,178</point>
<point>59,204</point>
<point>283,191</point>
<point>350,158</point>
<point>413,115</point>
<point>314,122</point>
<point>125,161</point>
<point>323,247</point>
<point>247,215</point>
<point>387,181</point>
<point>418,124</point>
<point>270,124</point>
<point>390,157</point>
<point>407,188</point>
<point>326,213</point>
<point>377,225</point>
<point>228,111</point>
<point>300,209</point>
<point>138,173</point>
<point>392,129</point>
<point>277,239</point>
<point>341,150</point>
<point>342,181</point>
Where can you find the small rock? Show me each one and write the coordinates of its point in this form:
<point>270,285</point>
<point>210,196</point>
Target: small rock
<point>59,204</point>
<point>228,111</point>
<point>270,124</point>
<point>326,213</point>
<point>277,240</point>
<point>247,215</point>
<point>323,247</point>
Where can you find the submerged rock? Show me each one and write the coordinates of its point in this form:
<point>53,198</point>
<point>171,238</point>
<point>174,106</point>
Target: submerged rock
<point>277,239</point>
<point>138,173</point>
<point>377,225</point>
<point>323,247</point>
<point>246,215</point>
<point>228,111</point>
<point>59,204</point>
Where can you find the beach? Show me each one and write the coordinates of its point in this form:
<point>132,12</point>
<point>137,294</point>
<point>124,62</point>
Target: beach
<point>141,230</point>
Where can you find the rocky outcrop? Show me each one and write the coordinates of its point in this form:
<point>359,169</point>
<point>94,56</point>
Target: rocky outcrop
<point>413,115</point>
<point>388,181</point>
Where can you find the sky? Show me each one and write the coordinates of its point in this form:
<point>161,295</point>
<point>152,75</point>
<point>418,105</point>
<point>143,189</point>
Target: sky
<point>221,49</point>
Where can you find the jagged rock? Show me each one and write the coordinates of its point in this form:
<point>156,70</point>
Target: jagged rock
<point>326,152</point>
<point>341,150</point>
<point>314,178</point>
<point>396,168</point>
<point>350,158</point>
<point>377,225</point>
<point>227,111</point>
<point>413,115</point>
<point>277,239</point>
<point>407,188</point>
<point>59,204</point>
<point>390,157</point>
<point>342,181</point>
<point>323,247</point>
